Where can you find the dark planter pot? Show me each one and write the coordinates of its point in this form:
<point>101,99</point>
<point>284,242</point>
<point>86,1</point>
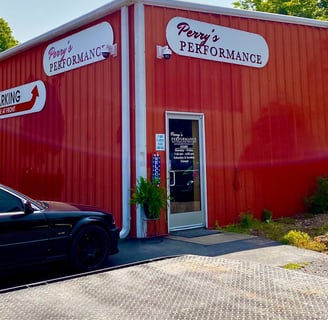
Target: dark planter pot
<point>147,213</point>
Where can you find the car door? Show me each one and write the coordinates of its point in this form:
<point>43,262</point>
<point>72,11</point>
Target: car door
<point>23,237</point>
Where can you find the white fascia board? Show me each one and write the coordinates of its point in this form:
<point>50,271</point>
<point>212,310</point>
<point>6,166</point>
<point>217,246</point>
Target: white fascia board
<point>199,7</point>
<point>117,4</point>
<point>96,14</point>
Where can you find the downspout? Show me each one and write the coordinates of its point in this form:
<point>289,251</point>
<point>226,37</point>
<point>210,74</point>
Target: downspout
<point>140,105</point>
<point>126,166</point>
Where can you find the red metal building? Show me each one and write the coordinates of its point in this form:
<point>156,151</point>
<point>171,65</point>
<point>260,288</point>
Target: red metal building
<point>232,102</point>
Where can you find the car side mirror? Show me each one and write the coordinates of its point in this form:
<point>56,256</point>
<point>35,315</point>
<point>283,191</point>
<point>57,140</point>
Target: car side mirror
<point>28,208</point>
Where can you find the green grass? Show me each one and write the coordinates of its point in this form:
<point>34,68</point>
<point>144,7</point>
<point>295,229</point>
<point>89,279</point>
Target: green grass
<point>295,266</point>
<point>282,230</point>
<point>273,230</point>
<point>322,230</point>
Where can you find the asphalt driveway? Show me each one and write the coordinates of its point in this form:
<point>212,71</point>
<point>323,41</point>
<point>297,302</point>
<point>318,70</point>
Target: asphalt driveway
<point>192,275</point>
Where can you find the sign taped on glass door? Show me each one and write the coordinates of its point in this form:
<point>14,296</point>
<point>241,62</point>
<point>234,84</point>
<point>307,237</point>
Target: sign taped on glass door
<point>186,170</point>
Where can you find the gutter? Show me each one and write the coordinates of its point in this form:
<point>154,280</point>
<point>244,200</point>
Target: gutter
<point>140,105</point>
<point>125,96</point>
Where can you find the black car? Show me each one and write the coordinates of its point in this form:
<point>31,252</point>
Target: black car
<point>38,232</point>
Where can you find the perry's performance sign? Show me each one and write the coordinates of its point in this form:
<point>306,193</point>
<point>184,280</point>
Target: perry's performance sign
<point>77,50</point>
<point>202,40</point>
<point>25,99</point>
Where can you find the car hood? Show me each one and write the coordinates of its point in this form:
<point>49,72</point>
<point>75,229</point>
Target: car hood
<point>64,206</point>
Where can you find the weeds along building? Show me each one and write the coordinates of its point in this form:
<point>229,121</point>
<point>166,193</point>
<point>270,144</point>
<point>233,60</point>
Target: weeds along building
<point>227,107</point>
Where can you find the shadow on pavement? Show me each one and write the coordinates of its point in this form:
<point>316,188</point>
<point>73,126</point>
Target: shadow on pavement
<point>196,242</point>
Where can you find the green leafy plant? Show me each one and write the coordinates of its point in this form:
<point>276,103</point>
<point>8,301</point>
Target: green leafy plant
<point>246,219</point>
<point>151,196</point>
<point>317,202</point>
<point>267,215</point>
<point>302,240</point>
<point>246,222</point>
<point>295,266</point>
<point>282,230</point>
<point>322,230</point>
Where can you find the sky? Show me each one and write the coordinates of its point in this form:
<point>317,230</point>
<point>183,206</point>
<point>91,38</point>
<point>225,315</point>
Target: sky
<point>30,19</point>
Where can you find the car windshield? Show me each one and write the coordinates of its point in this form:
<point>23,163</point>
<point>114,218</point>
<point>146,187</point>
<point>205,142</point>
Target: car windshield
<point>36,203</point>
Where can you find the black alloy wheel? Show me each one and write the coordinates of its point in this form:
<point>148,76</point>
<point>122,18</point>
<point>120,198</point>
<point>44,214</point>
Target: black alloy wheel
<point>90,248</point>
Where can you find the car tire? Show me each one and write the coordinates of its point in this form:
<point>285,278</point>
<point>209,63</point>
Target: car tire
<point>90,248</point>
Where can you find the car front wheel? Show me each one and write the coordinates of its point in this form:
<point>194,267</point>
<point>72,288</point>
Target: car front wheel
<point>90,248</point>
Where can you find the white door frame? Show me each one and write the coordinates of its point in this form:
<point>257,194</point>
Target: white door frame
<point>202,157</point>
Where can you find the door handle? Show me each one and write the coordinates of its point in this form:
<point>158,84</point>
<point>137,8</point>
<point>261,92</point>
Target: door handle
<point>172,178</point>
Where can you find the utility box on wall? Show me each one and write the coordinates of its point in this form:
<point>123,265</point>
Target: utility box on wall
<point>238,97</point>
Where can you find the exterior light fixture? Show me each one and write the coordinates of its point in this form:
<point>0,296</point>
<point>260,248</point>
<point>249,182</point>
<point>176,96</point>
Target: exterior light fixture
<point>163,52</point>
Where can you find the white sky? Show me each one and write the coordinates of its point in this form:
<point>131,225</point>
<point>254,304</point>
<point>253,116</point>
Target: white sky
<point>29,19</point>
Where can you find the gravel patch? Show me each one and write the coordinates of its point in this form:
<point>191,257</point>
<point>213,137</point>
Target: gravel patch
<point>318,267</point>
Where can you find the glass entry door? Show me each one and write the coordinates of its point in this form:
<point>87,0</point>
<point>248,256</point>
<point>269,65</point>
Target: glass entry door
<point>185,171</point>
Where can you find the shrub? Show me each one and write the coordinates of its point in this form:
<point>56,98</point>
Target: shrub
<point>246,219</point>
<point>267,215</point>
<point>317,202</point>
<point>322,230</point>
<point>302,240</point>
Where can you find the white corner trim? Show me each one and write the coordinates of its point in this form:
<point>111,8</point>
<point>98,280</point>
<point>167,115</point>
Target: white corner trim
<point>125,96</point>
<point>140,103</point>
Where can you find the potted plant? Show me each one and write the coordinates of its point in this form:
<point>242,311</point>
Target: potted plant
<point>151,196</point>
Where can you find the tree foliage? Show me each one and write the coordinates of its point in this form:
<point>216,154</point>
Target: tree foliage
<point>314,9</point>
<point>6,38</point>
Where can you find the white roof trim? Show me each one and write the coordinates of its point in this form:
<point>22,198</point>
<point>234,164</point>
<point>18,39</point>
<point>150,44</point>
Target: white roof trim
<point>74,24</point>
<point>117,4</point>
<point>237,12</point>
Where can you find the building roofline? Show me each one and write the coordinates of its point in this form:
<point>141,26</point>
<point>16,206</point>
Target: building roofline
<point>238,12</point>
<point>69,26</point>
<point>117,4</point>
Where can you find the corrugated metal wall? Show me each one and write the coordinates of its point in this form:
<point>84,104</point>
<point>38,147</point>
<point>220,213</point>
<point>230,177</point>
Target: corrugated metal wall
<point>71,150</point>
<point>266,129</point>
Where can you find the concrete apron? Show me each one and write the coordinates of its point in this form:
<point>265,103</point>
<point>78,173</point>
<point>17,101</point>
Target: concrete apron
<point>186,287</point>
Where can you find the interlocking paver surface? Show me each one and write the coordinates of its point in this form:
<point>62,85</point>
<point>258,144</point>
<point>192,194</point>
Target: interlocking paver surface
<point>187,287</point>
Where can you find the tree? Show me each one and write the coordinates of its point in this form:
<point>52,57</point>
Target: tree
<point>6,38</point>
<point>314,9</point>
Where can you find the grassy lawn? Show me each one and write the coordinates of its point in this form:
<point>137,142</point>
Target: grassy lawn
<point>299,231</point>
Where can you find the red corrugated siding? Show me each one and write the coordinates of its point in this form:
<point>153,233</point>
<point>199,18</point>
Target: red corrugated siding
<point>266,132</point>
<point>266,129</point>
<point>71,150</point>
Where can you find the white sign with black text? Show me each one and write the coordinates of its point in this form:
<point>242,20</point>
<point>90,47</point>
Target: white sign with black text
<point>202,40</point>
<point>25,99</point>
<point>77,50</point>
